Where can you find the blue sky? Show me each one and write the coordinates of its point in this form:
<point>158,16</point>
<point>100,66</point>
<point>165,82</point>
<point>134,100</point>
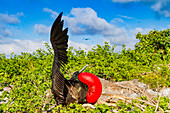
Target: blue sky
<point>25,24</point>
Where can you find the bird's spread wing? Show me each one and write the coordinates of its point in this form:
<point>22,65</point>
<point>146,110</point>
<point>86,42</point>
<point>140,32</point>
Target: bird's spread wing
<point>59,39</point>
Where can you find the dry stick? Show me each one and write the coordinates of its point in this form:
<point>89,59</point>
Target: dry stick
<point>12,88</point>
<point>140,101</point>
<point>88,106</point>
<point>159,99</point>
<point>126,87</point>
<point>115,96</point>
<point>51,107</point>
<point>35,85</point>
<point>143,93</point>
<point>109,104</point>
<point>37,88</point>
<point>47,100</point>
<point>104,102</point>
<point>124,98</point>
<point>140,107</point>
<point>143,101</point>
<point>135,90</point>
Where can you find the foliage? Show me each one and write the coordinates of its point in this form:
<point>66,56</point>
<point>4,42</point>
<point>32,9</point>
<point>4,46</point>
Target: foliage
<point>155,42</point>
<point>29,75</point>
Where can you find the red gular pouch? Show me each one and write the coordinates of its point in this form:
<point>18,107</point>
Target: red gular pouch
<point>94,86</point>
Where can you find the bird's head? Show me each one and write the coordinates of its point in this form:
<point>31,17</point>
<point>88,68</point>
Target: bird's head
<point>93,83</point>
<point>75,74</point>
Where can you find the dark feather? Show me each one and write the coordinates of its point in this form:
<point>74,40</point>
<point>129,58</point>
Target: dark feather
<point>59,39</point>
<point>65,91</point>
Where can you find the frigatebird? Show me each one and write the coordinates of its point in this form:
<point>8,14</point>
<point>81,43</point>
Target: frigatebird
<point>82,87</point>
<point>86,38</point>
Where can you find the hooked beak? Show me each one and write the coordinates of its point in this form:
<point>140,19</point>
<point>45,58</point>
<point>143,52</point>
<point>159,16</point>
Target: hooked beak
<point>83,68</point>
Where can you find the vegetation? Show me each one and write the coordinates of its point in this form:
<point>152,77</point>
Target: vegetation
<point>29,75</point>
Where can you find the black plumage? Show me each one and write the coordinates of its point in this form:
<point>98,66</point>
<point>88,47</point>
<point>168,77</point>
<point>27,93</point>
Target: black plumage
<point>65,91</point>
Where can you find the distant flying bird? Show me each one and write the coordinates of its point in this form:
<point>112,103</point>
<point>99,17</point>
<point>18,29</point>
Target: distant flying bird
<point>86,38</point>
<point>139,22</point>
<point>82,87</point>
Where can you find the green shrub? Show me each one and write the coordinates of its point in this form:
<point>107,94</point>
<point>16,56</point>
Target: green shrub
<point>29,75</point>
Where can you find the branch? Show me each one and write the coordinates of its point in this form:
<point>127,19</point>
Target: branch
<point>159,99</point>
<point>35,85</point>
<point>47,100</point>
<point>143,93</point>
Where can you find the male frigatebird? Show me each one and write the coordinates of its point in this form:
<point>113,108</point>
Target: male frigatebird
<point>82,87</point>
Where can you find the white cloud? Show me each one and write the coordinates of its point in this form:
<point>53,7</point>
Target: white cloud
<point>161,7</point>
<point>90,24</point>
<point>119,41</point>
<point>125,17</point>
<point>141,30</point>
<point>157,6</point>
<point>129,42</point>
<point>83,46</point>
<point>117,20</point>
<point>4,31</point>
<point>17,46</point>
<point>41,29</point>
<point>20,14</point>
<point>54,14</point>
<point>126,39</point>
<point>125,1</point>
<point>10,19</point>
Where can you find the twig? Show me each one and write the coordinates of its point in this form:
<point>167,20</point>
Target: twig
<point>159,99</point>
<point>127,87</point>
<point>12,88</point>
<point>125,98</point>
<point>115,96</point>
<point>35,85</point>
<point>143,101</point>
<point>143,93</point>
<point>108,104</point>
<point>140,107</point>
<point>47,100</point>
<point>140,101</point>
<point>50,109</point>
<point>88,106</point>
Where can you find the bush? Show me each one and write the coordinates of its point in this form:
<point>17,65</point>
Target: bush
<point>29,75</point>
